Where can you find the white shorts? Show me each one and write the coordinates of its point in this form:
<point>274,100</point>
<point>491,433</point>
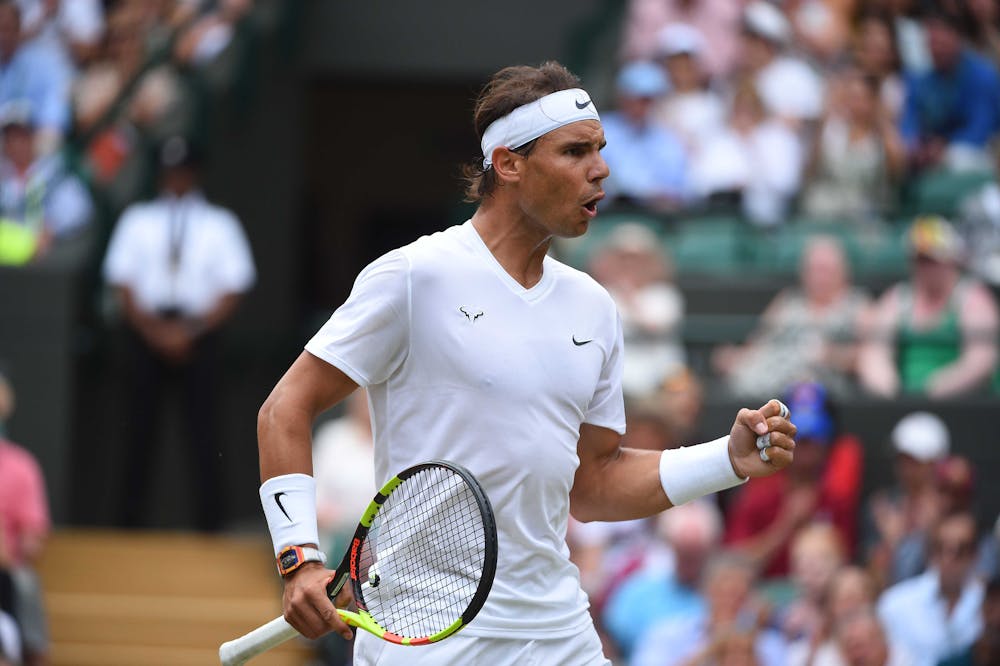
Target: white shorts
<point>584,649</point>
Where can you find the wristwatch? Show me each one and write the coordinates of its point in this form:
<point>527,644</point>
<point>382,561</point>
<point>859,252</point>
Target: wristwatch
<point>293,557</point>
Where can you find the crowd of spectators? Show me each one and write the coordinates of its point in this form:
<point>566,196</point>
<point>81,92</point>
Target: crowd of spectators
<point>818,116</point>
<point>99,104</point>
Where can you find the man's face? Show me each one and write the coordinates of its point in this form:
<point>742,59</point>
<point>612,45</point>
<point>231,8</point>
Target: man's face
<point>953,550</point>
<point>944,44</point>
<point>560,180</point>
<point>19,145</point>
<point>932,273</point>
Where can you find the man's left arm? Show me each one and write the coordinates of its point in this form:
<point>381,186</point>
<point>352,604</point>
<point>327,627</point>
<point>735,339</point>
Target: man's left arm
<point>617,483</point>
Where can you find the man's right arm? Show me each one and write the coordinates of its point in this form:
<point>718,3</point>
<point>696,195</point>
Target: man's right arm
<point>284,439</point>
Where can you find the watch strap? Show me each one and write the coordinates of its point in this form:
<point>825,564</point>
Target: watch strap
<point>293,557</point>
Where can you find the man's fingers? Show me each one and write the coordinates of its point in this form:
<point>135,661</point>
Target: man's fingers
<point>774,407</point>
<point>753,419</point>
<point>778,424</point>
<point>777,457</point>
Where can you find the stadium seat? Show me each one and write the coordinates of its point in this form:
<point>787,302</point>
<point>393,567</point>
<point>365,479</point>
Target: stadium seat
<point>708,245</point>
<point>942,191</point>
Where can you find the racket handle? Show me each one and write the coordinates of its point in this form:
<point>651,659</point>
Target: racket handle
<point>258,641</point>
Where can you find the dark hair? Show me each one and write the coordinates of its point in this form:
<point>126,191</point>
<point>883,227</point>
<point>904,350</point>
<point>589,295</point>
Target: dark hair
<point>506,90</point>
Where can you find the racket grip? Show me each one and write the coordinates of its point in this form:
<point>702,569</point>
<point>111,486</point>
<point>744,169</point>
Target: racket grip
<point>258,641</point>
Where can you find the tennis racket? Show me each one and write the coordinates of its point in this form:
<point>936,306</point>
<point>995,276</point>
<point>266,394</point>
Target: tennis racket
<point>421,562</point>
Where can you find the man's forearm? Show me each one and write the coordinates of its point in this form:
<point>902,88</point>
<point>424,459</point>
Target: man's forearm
<point>622,487</point>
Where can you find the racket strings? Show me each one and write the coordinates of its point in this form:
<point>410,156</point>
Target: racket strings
<point>424,555</point>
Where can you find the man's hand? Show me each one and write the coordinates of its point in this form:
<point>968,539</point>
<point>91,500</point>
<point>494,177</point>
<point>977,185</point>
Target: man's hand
<point>306,606</point>
<point>743,452</point>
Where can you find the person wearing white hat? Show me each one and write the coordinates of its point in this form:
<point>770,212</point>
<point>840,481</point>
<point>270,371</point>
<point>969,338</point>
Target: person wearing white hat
<point>691,108</point>
<point>898,516</point>
<point>790,89</point>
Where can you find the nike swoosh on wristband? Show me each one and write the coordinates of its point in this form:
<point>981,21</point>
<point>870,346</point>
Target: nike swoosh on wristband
<point>580,343</point>
<point>582,106</point>
<point>277,499</point>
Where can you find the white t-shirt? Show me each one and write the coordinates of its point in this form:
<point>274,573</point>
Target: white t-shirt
<point>212,251</point>
<point>463,363</point>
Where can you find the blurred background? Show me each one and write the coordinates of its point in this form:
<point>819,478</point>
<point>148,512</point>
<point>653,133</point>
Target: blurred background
<point>803,203</point>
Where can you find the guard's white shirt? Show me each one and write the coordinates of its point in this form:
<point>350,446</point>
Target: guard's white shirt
<point>214,257</point>
<point>463,363</point>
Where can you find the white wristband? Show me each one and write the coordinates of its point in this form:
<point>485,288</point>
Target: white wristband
<point>289,503</point>
<point>692,471</point>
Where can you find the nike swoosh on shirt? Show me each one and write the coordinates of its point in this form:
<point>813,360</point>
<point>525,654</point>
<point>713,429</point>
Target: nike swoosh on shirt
<point>580,343</point>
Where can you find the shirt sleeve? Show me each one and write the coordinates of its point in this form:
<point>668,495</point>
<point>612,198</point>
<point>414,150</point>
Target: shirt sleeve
<point>607,407</point>
<point>237,273</point>
<point>119,268</point>
<point>368,336</point>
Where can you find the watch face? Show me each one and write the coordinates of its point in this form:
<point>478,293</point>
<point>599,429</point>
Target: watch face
<point>289,559</point>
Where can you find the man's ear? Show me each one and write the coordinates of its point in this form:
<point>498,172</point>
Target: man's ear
<point>508,165</point>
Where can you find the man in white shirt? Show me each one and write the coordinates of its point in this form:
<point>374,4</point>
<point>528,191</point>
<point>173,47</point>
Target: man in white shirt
<point>179,266</point>
<point>477,347</point>
<point>937,614</point>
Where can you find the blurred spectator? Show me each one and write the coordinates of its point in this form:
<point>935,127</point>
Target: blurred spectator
<point>898,517</point>
<point>859,156</point>
<point>951,111</point>
<point>823,485</point>
<point>817,554</point>
<point>717,20</point>
<point>876,56</point>
<point>648,162</point>
<point>980,227</point>
<point>908,32</point>
<point>40,202</point>
<point>680,402</point>
<point>986,650</point>
<point>753,159</point>
<point>33,72</point>
<point>633,267</point>
<point>731,620</point>
<point>937,614</point>
<point>666,590</point>
<point>179,266</point>
<point>211,33</point>
<point>154,108</point>
<point>788,87</point>
<point>71,28</point>
<point>344,469</point>
<point>935,334</point>
<point>986,25</point>
<point>24,526</point>
<point>807,332</point>
<point>821,27</point>
<point>691,108</point>
<point>862,641</point>
<point>851,590</point>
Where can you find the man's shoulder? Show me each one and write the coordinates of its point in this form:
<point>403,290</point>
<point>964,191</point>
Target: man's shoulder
<point>903,594</point>
<point>579,281</point>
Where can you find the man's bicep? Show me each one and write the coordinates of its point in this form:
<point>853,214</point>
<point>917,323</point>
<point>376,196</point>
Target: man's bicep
<point>315,383</point>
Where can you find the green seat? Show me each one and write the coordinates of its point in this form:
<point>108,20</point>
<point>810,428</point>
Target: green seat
<point>707,245</point>
<point>577,252</point>
<point>942,191</point>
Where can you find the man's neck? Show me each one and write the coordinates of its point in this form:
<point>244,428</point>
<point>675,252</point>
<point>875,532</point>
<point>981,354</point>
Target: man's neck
<point>518,245</point>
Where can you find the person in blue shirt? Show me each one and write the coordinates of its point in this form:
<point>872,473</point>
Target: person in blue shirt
<point>952,110</point>
<point>663,590</point>
<point>648,162</point>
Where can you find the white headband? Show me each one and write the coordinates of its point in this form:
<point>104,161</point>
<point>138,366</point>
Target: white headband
<point>527,123</point>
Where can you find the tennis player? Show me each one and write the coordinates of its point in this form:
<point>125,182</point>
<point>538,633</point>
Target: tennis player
<point>477,347</point>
